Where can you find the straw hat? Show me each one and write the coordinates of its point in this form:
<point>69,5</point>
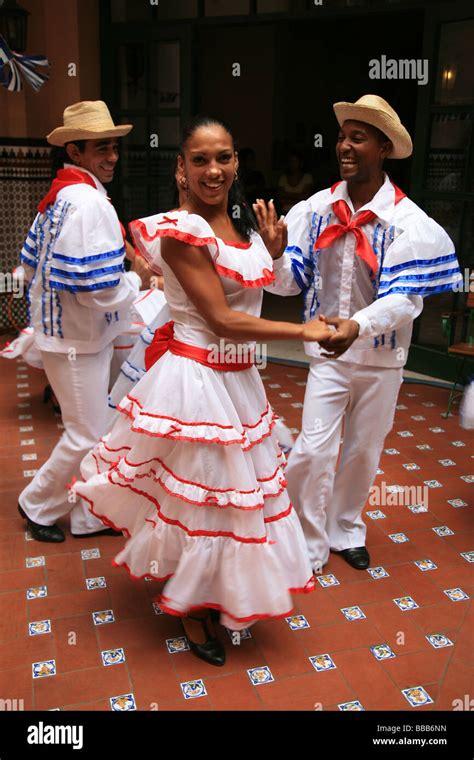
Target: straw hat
<point>87,120</point>
<point>376,111</point>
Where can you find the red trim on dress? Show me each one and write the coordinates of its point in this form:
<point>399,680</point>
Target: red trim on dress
<point>161,600</point>
<point>198,424</point>
<point>309,587</point>
<point>138,229</point>
<point>153,473</point>
<point>197,533</point>
<point>177,523</point>
<point>171,437</point>
<point>209,501</point>
<point>140,577</point>
<point>259,480</point>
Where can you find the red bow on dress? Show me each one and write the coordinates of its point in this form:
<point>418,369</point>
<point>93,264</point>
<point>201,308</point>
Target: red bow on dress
<point>348,224</point>
<point>159,344</point>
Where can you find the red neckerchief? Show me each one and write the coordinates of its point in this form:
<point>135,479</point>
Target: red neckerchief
<point>350,224</point>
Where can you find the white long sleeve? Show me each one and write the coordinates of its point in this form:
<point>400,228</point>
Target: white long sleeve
<point>285,283</point>
<point>388,313</point>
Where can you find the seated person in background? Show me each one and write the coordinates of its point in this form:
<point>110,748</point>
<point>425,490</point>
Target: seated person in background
<point>251,178</point>
<point>295,184</point>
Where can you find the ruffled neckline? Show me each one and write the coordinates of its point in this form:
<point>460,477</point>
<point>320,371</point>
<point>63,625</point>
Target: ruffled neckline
<point>193,229</point>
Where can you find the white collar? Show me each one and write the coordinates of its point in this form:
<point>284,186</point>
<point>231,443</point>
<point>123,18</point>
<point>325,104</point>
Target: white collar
<point>382,204</point>
<point>97,183</point>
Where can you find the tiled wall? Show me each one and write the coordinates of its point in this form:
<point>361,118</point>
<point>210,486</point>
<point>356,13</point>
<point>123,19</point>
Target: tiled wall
<point>24,179</point>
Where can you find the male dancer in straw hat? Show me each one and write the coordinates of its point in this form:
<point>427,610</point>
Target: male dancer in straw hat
<point>364,255</point>
<point>80,297</point>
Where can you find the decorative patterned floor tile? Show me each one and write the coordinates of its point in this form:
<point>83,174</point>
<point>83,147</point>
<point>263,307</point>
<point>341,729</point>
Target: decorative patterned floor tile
<point>103,617</point>
<point>193,689</point>
<point>90,553</point>
<point>456,594</point>
<point>417,696</point>
<point>179,644</point>
<point>124,703</point>
<point>36,592</point>
<point>352,613</point>
<point>259,676</point>
<point>425,564</point>
<point>35,561</point>
<point>95,583</point>
<point>439,640</point>
<point>382,652</point>
<point>406,603</point>
<point>296,622</point>
<point>39,628</point>
<point>112,656</point>
<point>322,662</point>
<point>377,572</point>
<point>44,669</point>
<point>327,580</point>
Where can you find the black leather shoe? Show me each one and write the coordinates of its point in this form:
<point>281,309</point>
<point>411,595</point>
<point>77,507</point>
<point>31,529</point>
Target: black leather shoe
<point>357,557</point>
<point>106,532</point>
<point>48,533</point>
<point>212,651</point>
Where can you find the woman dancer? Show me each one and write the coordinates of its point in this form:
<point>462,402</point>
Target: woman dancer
<point>192,471</point>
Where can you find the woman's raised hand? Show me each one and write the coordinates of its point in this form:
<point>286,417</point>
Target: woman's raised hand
<point>273,231</point>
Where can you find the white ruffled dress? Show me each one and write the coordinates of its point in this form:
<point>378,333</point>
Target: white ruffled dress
<point>192,471</point>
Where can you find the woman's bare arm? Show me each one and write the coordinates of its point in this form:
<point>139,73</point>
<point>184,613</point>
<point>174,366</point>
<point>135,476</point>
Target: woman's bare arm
<point>195,272</point>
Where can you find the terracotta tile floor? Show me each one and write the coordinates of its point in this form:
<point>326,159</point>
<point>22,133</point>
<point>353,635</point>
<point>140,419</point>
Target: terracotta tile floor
<point>154,677</point>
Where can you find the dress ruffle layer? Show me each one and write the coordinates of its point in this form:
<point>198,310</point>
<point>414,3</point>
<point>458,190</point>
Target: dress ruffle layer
<point>214,519</point>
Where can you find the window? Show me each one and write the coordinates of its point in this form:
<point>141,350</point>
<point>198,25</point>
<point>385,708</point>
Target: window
<point>455,76</point>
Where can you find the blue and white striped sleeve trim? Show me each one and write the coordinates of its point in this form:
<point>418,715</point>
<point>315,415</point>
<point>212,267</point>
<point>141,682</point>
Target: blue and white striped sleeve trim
<point>420,276</point>
<point>82,275</point>
<point>89,288</point>
<point>29,252</point>
<point>80,261</point>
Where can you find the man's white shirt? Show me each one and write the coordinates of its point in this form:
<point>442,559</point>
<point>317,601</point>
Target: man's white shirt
<point>415,258</point>
<point>80,295</point>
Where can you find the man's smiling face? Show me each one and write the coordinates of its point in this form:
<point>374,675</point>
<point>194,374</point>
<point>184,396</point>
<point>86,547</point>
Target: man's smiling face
<point>360,150</point>
<point>99,157</point>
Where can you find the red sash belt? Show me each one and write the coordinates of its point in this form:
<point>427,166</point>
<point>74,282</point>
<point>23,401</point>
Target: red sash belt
<point>164,340</point>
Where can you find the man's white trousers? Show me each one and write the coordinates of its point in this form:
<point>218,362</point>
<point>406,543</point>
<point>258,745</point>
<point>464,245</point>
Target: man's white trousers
<point>81,387</point>
<point>329,499</point>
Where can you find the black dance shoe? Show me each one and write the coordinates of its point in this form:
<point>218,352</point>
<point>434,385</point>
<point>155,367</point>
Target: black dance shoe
<point>49,533</point>
<point>357,557</point>
<point>105,532</point>
<point>212,651</point>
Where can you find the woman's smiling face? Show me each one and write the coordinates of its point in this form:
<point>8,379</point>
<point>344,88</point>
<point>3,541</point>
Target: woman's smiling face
<point>209,165</point>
